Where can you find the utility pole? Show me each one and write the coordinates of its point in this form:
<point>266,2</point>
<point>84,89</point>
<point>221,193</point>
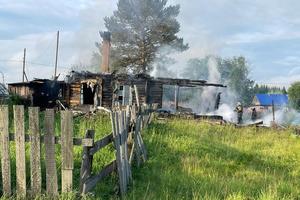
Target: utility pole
<point>24,63</point>
<point>56,57</point>
<point>2,77</point>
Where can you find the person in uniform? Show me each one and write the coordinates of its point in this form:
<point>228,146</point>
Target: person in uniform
<point>239,110</point>
<point>253,114</point>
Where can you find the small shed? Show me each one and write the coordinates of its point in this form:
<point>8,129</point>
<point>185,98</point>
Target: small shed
<point>267,100</point>
<point>40,92</point>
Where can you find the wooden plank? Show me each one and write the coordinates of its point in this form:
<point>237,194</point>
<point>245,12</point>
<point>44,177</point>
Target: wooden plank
<point>87,162</point>
<point>141,142</point>
<point>51,172</point>
<point>131,157</point>
<point>85,142</point>
<point>5,152</point>
<point>106,171</point>
<point>126,119</point>
<point>35,151</point>
<point>115,128</point>
<point>137,148</point>
<point>20,150</point>
<point>67,151</point>
<point>101,144</point>
<point>137,95</point>
<point>122,146</point>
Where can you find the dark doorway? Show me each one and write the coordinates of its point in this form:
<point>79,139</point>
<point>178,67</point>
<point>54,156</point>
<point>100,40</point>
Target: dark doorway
<point>88,94</point>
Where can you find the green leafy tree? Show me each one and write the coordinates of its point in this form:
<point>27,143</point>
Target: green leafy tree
<point>235,74</point>
<point>197,69</point>
<point>142,32</point>
<point>294,95</point>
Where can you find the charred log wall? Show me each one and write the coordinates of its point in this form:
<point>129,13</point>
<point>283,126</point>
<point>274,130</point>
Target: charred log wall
<point>155,93</point>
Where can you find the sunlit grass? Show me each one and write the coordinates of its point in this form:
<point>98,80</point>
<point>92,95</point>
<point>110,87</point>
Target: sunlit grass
<point>193,160</point>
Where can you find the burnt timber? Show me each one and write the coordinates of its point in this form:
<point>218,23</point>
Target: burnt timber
<point>39,92</point>
<point>99,89</point>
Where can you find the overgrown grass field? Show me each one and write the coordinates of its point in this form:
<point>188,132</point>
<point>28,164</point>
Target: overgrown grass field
<point>195,160</point>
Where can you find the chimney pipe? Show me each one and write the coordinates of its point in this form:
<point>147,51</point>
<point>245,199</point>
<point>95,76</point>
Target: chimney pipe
<point>105,51</point>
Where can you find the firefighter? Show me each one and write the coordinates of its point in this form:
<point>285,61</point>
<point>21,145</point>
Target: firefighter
<point>239,110</point>
<point>253,114</point>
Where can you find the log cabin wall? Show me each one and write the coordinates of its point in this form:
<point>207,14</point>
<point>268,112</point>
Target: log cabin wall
<point>155,93</point>
<point>142,90</point>
<point>107,92</point>
<point>103,83</point>
<point>21,90</point>
<point>75,95</point>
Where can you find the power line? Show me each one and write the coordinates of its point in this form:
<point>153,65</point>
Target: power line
<point>32,63</point>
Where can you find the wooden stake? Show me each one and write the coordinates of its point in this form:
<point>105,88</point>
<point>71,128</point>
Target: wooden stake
<point>56,55</point>
<point>24,65</point>
<point>273,110</point>
<point>20,150</point>
<point>35,151</point>
<point>49,139</point>
<point>5,153</point>
<point>176,97</point>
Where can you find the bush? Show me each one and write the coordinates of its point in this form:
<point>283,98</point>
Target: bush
<point>294,95</point>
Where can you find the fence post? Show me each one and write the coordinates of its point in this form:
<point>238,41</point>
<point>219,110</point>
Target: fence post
<point>20,150</point>
<point>49,139</point>
<point>87,163</point>
<point>35,151</point>
<point>136,91</point>
<point>67,151</point>
<point>5,154</point>
<point>115,129</point>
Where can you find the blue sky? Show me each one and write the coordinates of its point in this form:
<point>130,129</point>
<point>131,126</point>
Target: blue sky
<point>266,32</point>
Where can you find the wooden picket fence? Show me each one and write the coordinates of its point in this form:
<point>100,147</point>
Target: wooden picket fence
<point>126,137</point>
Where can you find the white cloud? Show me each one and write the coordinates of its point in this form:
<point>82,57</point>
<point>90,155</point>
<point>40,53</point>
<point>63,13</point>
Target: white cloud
<point>76,46</point>
<point>223,27</point>
<point>294,71</point>
<point>282,80</point>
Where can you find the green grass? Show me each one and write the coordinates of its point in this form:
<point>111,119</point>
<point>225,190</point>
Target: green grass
<point>193,160</point>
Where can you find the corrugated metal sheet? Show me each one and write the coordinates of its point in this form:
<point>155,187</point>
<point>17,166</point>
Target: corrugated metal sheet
<point>267,99</point>
<point>3,90</point>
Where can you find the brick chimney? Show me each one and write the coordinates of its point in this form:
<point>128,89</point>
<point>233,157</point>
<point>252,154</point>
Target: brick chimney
<point>105,51</point>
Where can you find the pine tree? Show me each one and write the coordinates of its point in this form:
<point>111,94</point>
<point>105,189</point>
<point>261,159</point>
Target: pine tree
<point>142,31</point>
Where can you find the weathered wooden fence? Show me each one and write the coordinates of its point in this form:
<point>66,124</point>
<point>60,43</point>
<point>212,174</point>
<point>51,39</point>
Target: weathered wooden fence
<point>126,137</point>
<point>127,124</point>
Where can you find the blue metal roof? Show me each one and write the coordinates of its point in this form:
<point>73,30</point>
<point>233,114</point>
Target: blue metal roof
<point>267,99</point>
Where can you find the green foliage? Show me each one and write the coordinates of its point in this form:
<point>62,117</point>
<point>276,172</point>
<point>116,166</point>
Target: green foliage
<point>265,89</point>
<point>192,160</point>
<point>140,29</point>
<point>197,69</point>
<point>294,95</point>
<point>234,73</point>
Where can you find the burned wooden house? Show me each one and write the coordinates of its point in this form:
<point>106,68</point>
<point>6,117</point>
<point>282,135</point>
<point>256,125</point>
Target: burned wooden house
<point>110,89</point>
<point>40,92</point>
<point>105,89</point>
